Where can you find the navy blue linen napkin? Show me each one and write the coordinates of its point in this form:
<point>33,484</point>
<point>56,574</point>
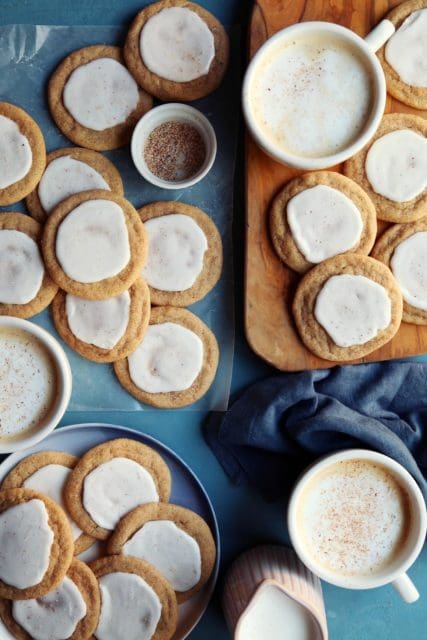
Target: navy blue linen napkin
<point>279,425</point>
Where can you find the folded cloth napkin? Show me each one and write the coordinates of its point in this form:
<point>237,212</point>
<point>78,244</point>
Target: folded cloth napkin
<point>281,424</point>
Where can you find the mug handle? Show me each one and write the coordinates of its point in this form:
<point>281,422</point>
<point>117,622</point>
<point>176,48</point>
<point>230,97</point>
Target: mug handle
<point>406,588</point>
<point>379,35</point>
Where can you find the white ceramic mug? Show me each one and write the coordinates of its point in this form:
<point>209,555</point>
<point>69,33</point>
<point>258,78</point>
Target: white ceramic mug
<point>366,47</point>
<point>395,573</point>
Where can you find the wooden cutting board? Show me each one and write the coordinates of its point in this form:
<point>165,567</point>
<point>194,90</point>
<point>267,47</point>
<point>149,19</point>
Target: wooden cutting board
<point>269,285</point>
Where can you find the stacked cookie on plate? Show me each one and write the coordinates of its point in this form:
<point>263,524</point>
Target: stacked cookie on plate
<point>155,555</point>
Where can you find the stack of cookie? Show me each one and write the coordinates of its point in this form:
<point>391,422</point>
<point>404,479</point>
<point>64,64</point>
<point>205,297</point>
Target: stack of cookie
<point>54,506</point>
<point>87,248</point>
<point>324,225</point>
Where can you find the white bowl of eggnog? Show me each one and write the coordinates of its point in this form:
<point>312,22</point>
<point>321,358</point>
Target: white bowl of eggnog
<point>314,93</point>
<point>35,383</point>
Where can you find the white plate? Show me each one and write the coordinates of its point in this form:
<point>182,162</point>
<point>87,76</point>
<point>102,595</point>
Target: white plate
<point>186,491</point>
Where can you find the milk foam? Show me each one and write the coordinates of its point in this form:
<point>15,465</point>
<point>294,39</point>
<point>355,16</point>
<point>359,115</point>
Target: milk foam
<point>353,518</point>
<point>312,96</point>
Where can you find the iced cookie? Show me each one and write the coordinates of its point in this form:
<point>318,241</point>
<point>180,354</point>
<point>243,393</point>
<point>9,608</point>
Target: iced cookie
<point>404,56</point>
<point>403,248</point>
<point>184,259</point>
<point>175,540</point>
<point>346,307</point>
<point>177,50</point>
<point>94,245</point>
<point>136,601</point>
<point>320,215</point>
<point>22,154</point>
<point>175,363</point>
<point>36,544</point>
<point>69,171</point>
<point>94,100</point>
<point>47,473</point>
<point>25,286</point>
<point>71,610</point>
<point>392,168</point>
<point>103,330</point>
<point>112,479</point>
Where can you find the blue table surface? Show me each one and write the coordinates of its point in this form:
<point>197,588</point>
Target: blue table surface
<point>244,518</point>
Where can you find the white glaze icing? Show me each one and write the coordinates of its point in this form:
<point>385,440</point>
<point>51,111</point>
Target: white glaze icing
<point>64,177</point>
<point>98,322</point>
<point>116,487</point>
<point>95,551</point>
<point>169,358</point>
<point>130,608</point>
<point>176,250</point>
<point>92,242</point>
<point>171,550</point>
<point>54,616</point>
<point>406,51</point>
<point>51,480</point>
<point>176,44</point>
<point>25,543</point>
<point>352,309</point>
<point>21,267</point>
<point>100,94</point>
<point>16,156</point>
<point>409,266</point>
<point>396,165</point>
<point>324,222</point>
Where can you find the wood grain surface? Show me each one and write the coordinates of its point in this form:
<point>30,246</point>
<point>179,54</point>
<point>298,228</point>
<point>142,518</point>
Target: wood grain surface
<point>269,285</point>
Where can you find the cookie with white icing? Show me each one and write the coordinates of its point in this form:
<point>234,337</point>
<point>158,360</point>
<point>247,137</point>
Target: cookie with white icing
<point>68,171</point>
<point>94,100</point>
<point>25,285</point>
<point>136,601</point>
<point>392,168</point>
<point>176,362</point>
<point>319,215</point>
<point>403,56</point>
<point>176,50</point>
<point>103,330</point>
<point>22,153</point>
<point>112,479</point>
<point>346,307</point>
<point>94,245</point>
<point>47,473</point>
<point>70,611</point>
<point>184,259</point>
<point>36,544</point>
<point>175,540</point>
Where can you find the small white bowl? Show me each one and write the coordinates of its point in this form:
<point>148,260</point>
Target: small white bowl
<point>64,381</point>
<point>165,113</point>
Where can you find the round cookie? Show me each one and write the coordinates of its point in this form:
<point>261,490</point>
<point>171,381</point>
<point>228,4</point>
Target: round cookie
<point>280,231</point>
<point>36,461</point>
<point>384,250</point>
<point>186,520</point>
<point>94,160</point>
<point>85,581</point>
<point>144,456</point>
<point>139,315</point>
<point>107,287</point>
<point>313,335</point>
<point>170,89</point>
<point>111,137</point>
<point>203,380</point>
<point>168,620</point>
<point>24,224</point>
<point>354,168</point>
<point>61,551</point>
<point>212,258</point>
<point>12,191</point>
<point>415,96</point>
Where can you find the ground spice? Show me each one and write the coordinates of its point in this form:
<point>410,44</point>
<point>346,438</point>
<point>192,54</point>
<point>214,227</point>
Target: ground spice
<point>174,151</point>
